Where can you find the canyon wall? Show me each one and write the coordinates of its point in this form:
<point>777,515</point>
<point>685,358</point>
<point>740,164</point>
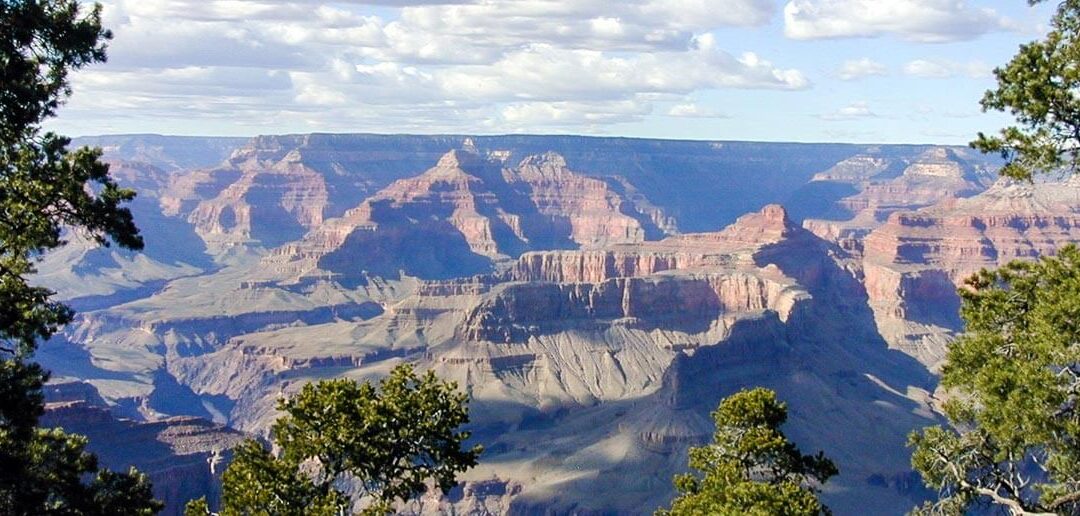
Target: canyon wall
<point>596,297</point>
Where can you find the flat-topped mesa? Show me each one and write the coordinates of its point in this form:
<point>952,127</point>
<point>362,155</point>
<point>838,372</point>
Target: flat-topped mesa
<point>768,226</point>
<point>940,162</point>
<point>265,150</point>
<point>549,166</point>
<point>733,244</point>
<point>685,283</point>
<point>463,214</point>
<point>856,168</point>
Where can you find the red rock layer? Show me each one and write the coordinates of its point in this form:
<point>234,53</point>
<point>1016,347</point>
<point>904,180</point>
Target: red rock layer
<point>495,211</point>
<point>690,251</point>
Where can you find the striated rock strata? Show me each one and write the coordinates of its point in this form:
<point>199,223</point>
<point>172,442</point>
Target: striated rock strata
<point>915,261</point>
<point>463,214</point>
<point>593,338</point>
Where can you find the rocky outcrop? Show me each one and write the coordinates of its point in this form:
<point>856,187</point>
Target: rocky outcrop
<point>286,199</point>
<point>518,311</point>
<point>463,214</point>
<point>690,251</point>
<point>592,338</point>
<point>935,175</point>
<point>1010,221</point>
<point>707,275</point>
<point>274,189</point>
<point>887,186</point>
<point>183,456</point>
<point>272,200</point>
<point>861,167</point>
<point>915,261</point>
<point>581,209</point>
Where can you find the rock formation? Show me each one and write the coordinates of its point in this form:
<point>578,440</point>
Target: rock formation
<point>915,261</point>
<point>461,216</point>
<point>548,276</point>
<point>886,186</point>
<point>177,453</point>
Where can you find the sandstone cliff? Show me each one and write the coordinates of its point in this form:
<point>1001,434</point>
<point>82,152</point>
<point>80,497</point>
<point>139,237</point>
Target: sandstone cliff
<point>885,186</point>
<point>554,287</point>
<point>461,216</point>
<point>915,261</point>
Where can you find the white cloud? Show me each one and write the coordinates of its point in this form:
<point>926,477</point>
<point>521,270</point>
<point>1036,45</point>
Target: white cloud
<point>853,111</point>
<point>707,13</point>
<point>859,68</point>
<point>628,25</point>
<point>426,64</point>
<point>693,110</point>
<point>568,114</point>
<point>932,21</point>
<point>545,72</point>
<point>945,69</point>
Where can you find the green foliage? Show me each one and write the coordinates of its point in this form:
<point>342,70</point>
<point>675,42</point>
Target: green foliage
<point>43,40</point>
<point>1038,87</point>
<point>751,467</point>
<point>49,479</point>
<point>389,442</point>
<point>45,189</point>
<point>257,483</point>
<point>1014,377</point>
<point>197,507</point>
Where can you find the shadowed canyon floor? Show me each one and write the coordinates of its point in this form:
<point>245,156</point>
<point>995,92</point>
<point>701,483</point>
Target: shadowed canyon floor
<point>597,297</point>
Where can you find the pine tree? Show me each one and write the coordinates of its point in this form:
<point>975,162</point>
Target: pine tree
<point>44,188</point>
<point>751,467</point>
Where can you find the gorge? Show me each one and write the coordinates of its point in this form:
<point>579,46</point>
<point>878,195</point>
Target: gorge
<point>596,297</point>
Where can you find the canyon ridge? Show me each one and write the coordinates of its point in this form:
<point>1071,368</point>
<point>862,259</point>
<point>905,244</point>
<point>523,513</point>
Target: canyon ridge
<point>596,297</point>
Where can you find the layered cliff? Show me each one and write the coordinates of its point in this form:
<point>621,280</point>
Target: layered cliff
<point>886,186</point>
<point>546,276</point>
<point>183,456</point>
<point>689,251</point>
<point>462,215</point>
<point>915,261</point>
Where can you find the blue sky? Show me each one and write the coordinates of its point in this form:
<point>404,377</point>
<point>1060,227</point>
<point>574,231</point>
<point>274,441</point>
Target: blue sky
<point>887,71</point>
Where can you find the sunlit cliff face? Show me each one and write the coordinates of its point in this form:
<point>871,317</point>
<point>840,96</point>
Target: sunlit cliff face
<point>596,297</point>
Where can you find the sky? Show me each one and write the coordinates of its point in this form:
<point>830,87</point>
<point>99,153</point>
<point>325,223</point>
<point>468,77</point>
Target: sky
<point>865,71</point>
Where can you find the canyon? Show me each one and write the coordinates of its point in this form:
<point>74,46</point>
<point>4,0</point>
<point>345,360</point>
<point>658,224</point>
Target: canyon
<point>596,297</point>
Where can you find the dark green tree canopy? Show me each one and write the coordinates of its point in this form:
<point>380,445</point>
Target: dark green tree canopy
<point>751,467</point>
<point>43,187</point>
<point>1039,88</point>
<point>386,443</point>
<point>1014,379</point>
<point>45,190</point>
<point>41,41</point>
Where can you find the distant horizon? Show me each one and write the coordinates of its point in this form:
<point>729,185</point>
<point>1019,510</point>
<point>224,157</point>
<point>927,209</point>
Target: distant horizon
<point>501,135</point>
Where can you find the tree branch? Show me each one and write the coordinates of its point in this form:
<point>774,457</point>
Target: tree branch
<point>1064,499</point>
<point>1015,507</point>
